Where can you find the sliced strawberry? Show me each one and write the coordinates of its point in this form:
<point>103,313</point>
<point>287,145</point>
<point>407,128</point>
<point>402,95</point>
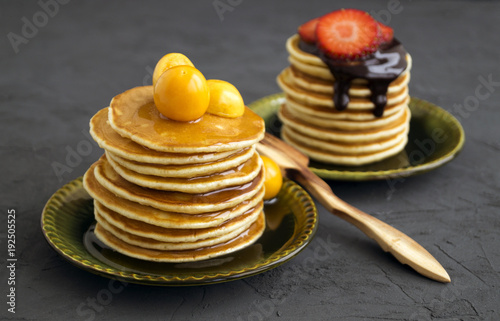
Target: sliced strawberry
<point>387,33</point>
<point>307,31</point>
<point>348,34</point>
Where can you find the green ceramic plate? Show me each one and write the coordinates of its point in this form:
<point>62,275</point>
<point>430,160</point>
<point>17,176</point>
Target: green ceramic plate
<point>67,222</point>
<point>435,138</point>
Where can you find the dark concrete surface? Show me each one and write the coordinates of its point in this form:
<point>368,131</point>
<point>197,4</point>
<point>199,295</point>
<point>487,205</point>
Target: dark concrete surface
<point>55,75</point>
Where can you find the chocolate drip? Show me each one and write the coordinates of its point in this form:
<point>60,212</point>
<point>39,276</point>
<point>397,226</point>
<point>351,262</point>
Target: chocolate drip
<point>379,69</point>
<point>341,91</point>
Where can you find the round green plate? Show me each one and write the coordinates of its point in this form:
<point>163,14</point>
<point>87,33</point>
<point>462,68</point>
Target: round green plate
<point>435,138</point>
<point>67,221</point>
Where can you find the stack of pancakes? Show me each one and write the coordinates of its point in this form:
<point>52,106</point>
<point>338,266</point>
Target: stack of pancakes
<point>354,136</point>
<point>172,191</point>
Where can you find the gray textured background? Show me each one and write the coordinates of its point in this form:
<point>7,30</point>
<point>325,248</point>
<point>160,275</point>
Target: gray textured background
<point>87,52</point>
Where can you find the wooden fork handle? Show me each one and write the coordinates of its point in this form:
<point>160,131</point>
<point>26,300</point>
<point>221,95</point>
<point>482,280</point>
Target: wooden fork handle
<point>405,249</point>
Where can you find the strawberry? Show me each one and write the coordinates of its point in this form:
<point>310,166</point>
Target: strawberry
<point>348,34</point>
<point>387,33</point>
<point>307,31</point>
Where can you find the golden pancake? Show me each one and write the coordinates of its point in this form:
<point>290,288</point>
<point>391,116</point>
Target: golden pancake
<point>306,82</point>
<point>325,100</point>
<point>185,171</point>
<point>346,114</point>
<point>239,175</point>
<point>154,216</point>
<point>323,73</point>
<point>344,159</point>
<point>348,125</point>
<point>359,136</point>
<point>344,148</point>
<point>148,243</point>
<point>244,239</point>
<point>352,136</point>
<point>314,66</point>
<point>292,46</point>
<point>106,217</point>
<point>175,201</point>
<point>111,141</point>
<point>133,114</point>
<point>174,191</point>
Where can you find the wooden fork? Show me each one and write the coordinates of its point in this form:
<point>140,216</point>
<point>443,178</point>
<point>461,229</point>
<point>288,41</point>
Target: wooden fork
<point>295,166</point>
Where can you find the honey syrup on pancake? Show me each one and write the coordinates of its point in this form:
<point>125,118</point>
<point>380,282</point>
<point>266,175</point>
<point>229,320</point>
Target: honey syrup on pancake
<point>196,203</point>
<point>379,69</point>
<point>109,139</point>
<point>134,115</point>
<point>204,131</point>
<point>160,218</point>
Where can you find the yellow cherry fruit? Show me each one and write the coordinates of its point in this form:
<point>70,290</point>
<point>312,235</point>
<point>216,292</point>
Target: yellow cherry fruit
<point>181,93</point>
<point>225,99</point>
<point>273,180</point>
<point>168,61</point>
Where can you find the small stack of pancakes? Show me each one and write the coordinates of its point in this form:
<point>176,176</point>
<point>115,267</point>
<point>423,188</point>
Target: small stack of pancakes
<point>353,136</point>
<point>172,191</point>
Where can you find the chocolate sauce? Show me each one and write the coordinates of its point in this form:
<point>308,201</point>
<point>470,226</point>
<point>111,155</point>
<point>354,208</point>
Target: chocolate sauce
<point>379,69</point>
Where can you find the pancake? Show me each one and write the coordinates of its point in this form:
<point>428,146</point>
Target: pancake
<point>323,73</point>
<point>307,82</point>
<point>239,175</point>
<point>172,191</point>
<point>325,100</point>
<point>187,170</point>
<point>244,239</point>
<point>175,201</point>
<point>153,216</point>
<point>111,141</point>
<point>349,125</point>
<point>346,114</point>
<point>344,148</point>
<point>147,243</point>
<point>107,217</point>
<point>345,159</point>
<point>133,114</point>
<point>292,46</point>
<point>360,136</point>
<point>314,66</point>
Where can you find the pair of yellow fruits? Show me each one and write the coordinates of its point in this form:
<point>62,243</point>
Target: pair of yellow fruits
<point>182,93</point>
